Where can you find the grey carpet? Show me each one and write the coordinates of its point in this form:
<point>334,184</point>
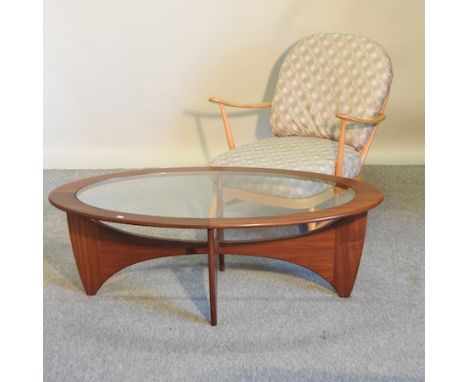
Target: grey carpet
<point>276,321</point>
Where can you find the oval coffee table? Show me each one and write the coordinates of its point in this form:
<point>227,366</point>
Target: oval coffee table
<point>333,209</point>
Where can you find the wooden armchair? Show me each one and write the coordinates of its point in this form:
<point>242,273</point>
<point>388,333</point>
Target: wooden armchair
<point>331,94</point>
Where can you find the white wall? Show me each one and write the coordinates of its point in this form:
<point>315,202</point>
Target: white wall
<point>126,82</point>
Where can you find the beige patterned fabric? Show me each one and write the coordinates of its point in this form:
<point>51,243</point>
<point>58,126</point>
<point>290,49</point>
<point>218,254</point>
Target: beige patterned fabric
<point>291,153</point>
<point>287,187</point>
<point>326,74</point>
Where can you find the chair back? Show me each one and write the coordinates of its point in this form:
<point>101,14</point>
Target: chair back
<point>326,74</point>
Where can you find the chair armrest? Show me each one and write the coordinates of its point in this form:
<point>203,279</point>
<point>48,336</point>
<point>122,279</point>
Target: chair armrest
<point>222,103</point>
<point>255,105</point>
<point>362,121</point>
<point>341,141</point>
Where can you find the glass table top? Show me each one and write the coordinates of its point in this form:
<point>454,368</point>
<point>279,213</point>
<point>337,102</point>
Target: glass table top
<point>214,194</point>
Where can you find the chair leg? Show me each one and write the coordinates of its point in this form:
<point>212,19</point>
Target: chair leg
<point>219,238</point>
<point>360,177</point>
<point>212,270</point>
<point>221,263</point>
<point>311,226</point>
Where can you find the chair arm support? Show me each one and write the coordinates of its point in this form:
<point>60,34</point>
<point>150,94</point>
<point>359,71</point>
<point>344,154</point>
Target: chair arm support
<point>341,140</point>
<point>222,103</point>
<point>362,121</point>
<point>255,105</point>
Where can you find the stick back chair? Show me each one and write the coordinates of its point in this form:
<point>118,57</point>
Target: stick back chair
<point>331,94</point>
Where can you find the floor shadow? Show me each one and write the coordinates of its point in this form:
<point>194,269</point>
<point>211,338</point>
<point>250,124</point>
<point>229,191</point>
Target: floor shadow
<point>153,301</point>
<point>191,277</point>
<point>280,267</point>
<point>191,273</point>
<point>61,276</point>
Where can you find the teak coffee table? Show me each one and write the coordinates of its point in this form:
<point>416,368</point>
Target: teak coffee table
<point>332,210</point>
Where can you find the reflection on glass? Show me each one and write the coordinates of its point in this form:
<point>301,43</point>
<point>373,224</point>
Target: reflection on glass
<point>207,194</point>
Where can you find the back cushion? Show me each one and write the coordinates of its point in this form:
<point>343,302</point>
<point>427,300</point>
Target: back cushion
<point>326,74</point>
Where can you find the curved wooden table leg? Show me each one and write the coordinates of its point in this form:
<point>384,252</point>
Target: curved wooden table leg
<point>349,241</point>
<point>334,252</point>
<point>100,250</point>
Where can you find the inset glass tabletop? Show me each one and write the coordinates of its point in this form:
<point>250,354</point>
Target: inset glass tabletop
<point>215,197</point>
<point>210,194</point>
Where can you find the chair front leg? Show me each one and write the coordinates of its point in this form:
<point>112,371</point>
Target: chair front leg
<point>340,153</point>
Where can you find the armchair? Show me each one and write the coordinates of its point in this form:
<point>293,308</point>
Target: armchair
<point>331,94</point>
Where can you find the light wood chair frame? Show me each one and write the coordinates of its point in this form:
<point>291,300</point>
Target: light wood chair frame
<point>343,120</point>
<point>316,199</point>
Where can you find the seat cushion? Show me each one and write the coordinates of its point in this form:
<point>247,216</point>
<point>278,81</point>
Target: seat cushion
<point>289,153</point>
<point>292,153</point>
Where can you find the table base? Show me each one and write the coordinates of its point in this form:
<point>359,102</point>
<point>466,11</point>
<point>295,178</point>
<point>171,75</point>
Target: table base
<point>333,252</point>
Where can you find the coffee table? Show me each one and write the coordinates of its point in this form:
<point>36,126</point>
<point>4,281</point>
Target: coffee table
<point>332,211</point>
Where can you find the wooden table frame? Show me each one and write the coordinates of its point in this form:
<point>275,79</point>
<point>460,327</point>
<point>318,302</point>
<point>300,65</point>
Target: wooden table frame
<point>333,251</point>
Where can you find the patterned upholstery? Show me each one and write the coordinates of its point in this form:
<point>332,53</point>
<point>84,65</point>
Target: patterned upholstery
<point>287,187</point>
<point>326,74</point>
<point>291,153</point>
<point>323,75</point>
